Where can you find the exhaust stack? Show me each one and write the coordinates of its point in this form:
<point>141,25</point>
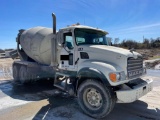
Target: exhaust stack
<point>54,23</point>
<point>54,43</point>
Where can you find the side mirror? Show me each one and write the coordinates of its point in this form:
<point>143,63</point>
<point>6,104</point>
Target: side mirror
<point>111,44</point>
<point>60,40</point>
<point>109,41</point>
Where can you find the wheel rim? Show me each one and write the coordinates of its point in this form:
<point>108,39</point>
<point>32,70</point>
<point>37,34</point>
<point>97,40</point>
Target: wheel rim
<point>92,98</point>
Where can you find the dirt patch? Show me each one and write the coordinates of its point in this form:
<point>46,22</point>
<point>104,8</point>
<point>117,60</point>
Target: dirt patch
<point>149,53</point>
<point>151,64</point>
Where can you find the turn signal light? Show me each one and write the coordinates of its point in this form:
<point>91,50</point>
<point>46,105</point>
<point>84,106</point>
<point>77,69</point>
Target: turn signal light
<point>113,77</point>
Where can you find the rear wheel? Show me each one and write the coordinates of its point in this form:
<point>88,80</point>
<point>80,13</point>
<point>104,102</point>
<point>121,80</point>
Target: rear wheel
<point>31,77</point>
<point>23,76</point>
<point>16,73</point>
<point>95,99</point>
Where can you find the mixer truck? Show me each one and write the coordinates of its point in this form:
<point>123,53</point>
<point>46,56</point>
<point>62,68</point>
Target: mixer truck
<point>81,62</point>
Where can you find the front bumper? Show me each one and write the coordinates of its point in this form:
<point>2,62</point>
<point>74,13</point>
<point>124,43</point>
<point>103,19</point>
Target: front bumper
<point>127,95</point>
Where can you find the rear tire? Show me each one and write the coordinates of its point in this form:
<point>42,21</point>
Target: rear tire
<point>31,77</point>
<point>95,99</point>
<point>23,76</point>
<point>16,73</point>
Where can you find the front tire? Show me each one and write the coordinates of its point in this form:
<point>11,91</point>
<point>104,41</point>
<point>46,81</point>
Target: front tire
<point>95,99</point>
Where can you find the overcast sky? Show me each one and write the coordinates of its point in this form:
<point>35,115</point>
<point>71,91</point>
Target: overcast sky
<point>124,19</point>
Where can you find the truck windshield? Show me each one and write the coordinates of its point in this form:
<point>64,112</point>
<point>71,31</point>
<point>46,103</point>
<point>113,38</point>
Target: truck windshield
<point>88,36</point>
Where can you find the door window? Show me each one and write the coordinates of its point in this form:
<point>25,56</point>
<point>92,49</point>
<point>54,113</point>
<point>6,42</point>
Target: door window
<point>68,40</point>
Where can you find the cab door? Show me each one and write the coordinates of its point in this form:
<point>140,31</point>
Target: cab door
<point>67,53</point>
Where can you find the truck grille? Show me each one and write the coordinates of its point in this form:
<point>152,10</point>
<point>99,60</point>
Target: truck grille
<point>134,67</point>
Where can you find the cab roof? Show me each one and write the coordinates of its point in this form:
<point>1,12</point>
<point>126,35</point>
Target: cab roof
<point>84,27</point>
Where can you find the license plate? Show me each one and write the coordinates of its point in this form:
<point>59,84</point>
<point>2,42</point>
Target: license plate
<point>134,73</point>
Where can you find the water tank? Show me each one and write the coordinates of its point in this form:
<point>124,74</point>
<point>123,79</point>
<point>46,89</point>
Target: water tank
<point>36,42</point>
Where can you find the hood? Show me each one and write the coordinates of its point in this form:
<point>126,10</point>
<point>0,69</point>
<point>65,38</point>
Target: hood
<point>103,49</point>
<point>112,55</point>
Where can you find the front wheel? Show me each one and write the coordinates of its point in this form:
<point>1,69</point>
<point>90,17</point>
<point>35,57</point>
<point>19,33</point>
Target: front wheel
<point>95,99</point>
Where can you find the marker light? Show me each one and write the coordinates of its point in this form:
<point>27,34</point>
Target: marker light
<point>113,77</point>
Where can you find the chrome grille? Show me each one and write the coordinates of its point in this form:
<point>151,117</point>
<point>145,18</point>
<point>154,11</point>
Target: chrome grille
<point>134,67</point>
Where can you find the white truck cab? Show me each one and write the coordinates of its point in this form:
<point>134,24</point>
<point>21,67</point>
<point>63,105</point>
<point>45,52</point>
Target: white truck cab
<point>90,49</point>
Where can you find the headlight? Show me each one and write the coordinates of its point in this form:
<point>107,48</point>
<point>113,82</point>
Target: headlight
<point>117,76</point>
